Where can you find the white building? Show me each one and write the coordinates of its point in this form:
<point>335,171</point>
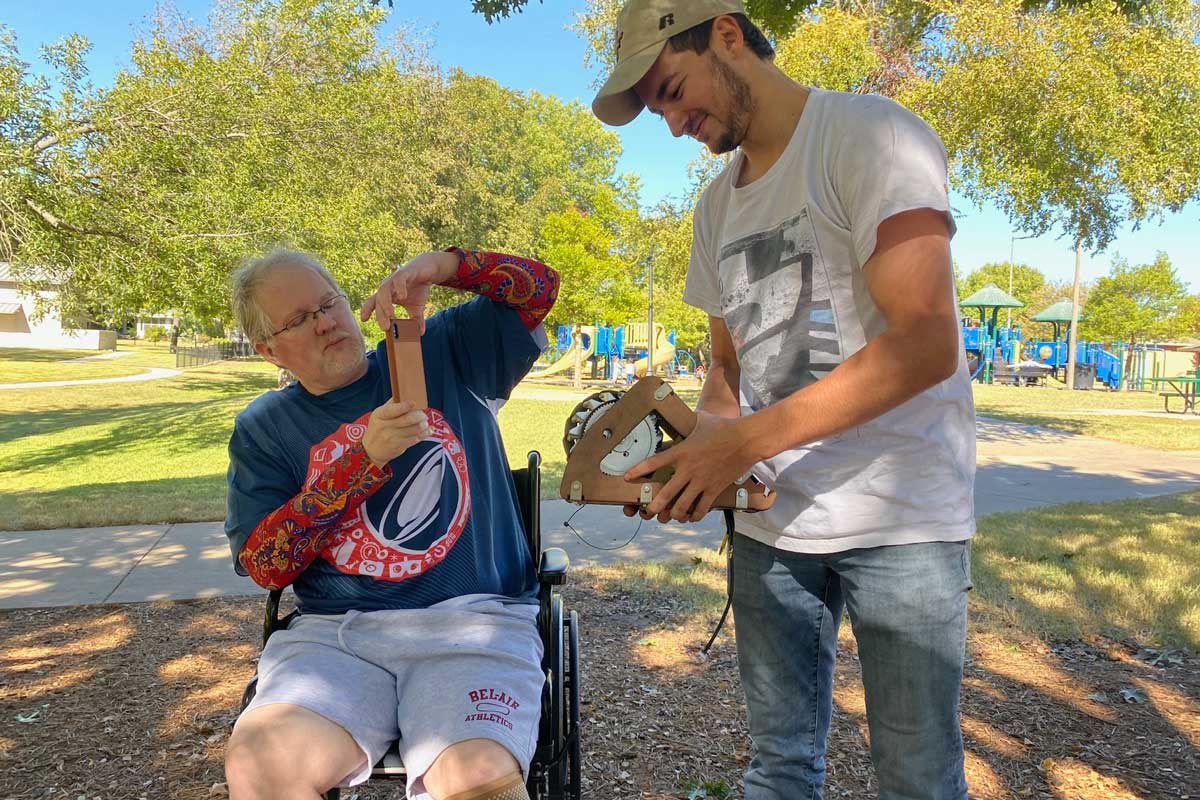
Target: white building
<point>164,320</point>
<point>20,328</point>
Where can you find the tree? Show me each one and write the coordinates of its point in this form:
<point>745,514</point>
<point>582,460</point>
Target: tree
<point>663,238</point>
<point>283,121</point>
<point>41,163</point>
<point>1122,153</point>
<point>1137,304</point>
<point>1189,317</point>
<point>597,285</point>
<point>1027,285</point>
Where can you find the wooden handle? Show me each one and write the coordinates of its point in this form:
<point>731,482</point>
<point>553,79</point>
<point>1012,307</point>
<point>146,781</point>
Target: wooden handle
<point>405,363</point>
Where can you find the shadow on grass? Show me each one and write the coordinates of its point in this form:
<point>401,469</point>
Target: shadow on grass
<point>1128,570</point>
<point>42,356</point>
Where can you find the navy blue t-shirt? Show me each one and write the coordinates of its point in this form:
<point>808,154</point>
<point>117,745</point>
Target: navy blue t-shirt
<point>446,523</point>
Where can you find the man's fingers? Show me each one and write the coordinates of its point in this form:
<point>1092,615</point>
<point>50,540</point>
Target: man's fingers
<point>648,466</point>
<point>666,495</point>
<point>682,510</point>
<point>704,506</point>
<point>367,307</point>
<point>383,319</point>
<point>393,409</point>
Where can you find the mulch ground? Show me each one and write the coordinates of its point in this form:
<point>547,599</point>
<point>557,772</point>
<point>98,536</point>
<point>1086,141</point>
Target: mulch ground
<point>137,702</point>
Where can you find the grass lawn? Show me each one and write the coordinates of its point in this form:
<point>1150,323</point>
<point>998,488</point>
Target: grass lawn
<point>1075,412</point>
<point>1126,570</point>
<point>26,365</point>
<point>155,451</point>
<point>106,454</point>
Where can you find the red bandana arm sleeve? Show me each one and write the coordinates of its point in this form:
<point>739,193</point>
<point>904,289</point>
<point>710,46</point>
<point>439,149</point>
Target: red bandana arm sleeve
<point>293,535</point>
<point>527,286</point>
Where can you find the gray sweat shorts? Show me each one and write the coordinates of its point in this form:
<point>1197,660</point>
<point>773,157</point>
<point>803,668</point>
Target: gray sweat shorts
<point>466,668</point>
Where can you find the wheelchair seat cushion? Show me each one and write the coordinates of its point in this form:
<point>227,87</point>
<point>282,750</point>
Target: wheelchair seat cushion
<point>467,668</point>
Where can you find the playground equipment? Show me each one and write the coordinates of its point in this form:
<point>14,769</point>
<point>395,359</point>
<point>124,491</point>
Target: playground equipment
<point>664,346</point>
<point>567,361</point>
<point>609,432</point>
<point>1059,314</point>
<point>985,341</point>
<point>991,349</point>
<point>603,345</point>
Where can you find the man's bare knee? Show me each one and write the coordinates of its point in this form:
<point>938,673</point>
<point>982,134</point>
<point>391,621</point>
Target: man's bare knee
<point>284,751</point>
<point>465,769</point>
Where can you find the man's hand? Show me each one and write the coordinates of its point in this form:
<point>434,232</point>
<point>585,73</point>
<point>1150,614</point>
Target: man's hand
<point>392,429</point>
<point>409,286</point>
<point>715,455</point>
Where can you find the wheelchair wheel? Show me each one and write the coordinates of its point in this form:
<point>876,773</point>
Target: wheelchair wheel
<point>574,787</point>
<point>558,696</point>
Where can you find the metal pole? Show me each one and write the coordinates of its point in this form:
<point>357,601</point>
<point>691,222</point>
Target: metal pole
<point>1012,243</point>
<point>650,320</point>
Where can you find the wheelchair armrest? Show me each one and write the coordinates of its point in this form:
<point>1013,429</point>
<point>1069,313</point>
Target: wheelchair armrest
<point>553,569</point>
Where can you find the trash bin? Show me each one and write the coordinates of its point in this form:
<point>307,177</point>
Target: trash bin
<point>1085,375</point>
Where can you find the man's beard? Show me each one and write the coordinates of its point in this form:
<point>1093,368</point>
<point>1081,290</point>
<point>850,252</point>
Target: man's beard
<point>348,358</point>
<point>740,105</point>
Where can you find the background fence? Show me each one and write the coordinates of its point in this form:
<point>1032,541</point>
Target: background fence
<point>215,350</point>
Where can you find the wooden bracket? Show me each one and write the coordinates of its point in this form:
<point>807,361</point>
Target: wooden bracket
<point>584,482</point>
<point>405,365</point>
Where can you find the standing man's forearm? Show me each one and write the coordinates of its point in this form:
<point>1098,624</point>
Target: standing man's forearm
<point>909,278</point>
<point>888,372</point>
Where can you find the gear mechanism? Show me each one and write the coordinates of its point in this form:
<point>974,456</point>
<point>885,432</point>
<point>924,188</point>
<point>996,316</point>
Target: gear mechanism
<point>642,442</point>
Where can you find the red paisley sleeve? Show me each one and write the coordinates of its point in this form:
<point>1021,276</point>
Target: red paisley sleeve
<point>290,537</point>
<point>528,286</point>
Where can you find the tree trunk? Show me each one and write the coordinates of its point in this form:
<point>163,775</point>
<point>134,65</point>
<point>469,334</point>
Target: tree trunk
<point>1127,369</point>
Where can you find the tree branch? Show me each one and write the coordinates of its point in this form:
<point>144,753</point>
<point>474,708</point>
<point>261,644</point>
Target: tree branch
<point>48,140</point>
<point>51,221</point>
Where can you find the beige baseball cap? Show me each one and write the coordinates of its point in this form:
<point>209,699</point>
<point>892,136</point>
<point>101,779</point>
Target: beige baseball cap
<point>643,27</point>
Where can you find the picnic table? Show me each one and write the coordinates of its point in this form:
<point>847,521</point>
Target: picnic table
<point>1023,374</point>
<point>1180,386</point>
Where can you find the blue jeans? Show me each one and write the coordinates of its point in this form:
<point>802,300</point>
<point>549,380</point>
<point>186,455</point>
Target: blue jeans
<point>908,610</point>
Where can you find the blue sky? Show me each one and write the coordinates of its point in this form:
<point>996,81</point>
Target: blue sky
<point>534,51</point>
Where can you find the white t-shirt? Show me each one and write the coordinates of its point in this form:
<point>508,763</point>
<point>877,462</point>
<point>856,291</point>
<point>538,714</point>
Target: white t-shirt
<point>780,260</point>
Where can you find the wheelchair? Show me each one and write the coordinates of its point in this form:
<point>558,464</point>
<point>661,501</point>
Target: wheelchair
<point>554,773</point>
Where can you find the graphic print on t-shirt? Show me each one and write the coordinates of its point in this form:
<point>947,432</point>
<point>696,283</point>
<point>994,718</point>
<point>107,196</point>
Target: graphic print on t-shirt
<point>411,524</point>
<point>776,301</point>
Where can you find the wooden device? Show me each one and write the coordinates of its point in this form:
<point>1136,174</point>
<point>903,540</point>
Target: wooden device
<point>405,364</point>
<point>612,431</point>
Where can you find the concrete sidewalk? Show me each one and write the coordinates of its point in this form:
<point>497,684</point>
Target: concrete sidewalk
<point>1019,467</point>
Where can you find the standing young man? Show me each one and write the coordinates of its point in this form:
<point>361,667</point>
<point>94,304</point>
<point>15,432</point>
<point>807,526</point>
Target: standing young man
<point>821,255</point>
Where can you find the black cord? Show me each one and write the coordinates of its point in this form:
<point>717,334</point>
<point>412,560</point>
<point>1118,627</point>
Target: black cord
<point>579,536</point>
<point>728,583</point>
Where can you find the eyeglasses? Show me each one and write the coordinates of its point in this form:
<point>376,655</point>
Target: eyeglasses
<point>306,319</point>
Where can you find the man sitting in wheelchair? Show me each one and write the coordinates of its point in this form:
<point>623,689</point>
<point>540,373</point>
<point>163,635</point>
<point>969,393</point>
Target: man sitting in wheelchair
<point>398,530</point>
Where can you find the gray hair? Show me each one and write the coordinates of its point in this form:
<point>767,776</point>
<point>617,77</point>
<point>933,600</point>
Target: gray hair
<point>247,278</point>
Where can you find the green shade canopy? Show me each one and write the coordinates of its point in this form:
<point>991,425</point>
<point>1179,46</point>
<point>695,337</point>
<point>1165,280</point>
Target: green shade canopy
<point>1059,312</point>
<point>991,296</point>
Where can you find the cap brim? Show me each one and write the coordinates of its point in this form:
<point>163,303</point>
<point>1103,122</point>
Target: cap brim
<point>616,103</point>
